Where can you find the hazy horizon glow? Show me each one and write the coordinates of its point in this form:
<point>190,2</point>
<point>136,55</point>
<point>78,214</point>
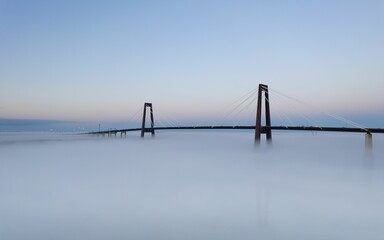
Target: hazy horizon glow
<point>100,61</point>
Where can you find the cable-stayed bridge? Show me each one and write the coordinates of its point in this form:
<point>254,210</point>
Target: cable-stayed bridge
<point>256,97</point>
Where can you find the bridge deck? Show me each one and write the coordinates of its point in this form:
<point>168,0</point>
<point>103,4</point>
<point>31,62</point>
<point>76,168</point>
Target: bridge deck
<point>264,129</point>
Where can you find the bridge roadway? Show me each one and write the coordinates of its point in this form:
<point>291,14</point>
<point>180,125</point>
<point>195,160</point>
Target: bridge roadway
<point>264,129</point>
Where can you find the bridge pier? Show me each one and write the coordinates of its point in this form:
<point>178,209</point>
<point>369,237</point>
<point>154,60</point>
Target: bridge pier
<point>110,133</point>
<point>368,141</point>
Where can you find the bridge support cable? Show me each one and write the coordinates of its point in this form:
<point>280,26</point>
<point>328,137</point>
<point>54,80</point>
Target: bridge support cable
<point>135,117</point>
<point>277,102</point>
<point>143,128</point>
<point>239,105</point>
<point>238,115</point>
<point>332,115</point>
<point>172,122</point>
<point>165,121</point>
<point>160,122</point>
<point>278,114</point>
<point>234,109</point>
<point>235,114</point>
<point>137,120</point>
<point>250,93</point>
<point>344,120</point>
<point>296,109</point>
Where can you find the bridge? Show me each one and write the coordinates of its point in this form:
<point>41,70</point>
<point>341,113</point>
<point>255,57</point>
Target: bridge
<point>264,129</point>
<point>259,129</point>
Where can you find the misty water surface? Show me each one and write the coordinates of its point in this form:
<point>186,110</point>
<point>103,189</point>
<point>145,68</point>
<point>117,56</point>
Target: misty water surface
<point>178,185</point>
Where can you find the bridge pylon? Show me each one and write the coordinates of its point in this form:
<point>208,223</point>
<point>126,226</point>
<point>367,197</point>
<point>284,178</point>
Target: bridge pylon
<point>143,128</point>
<point>258,128</point>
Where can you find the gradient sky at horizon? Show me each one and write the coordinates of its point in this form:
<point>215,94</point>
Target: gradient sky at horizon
<point>100,60</point>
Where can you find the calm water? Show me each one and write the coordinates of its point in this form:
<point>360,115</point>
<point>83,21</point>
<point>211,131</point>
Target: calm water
<point>206,185</point>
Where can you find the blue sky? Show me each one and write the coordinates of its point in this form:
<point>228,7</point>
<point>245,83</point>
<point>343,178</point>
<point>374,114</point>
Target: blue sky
<point>101,60</point>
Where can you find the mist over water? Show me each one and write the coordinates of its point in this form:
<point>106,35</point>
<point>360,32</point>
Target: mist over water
<point>191,185</point>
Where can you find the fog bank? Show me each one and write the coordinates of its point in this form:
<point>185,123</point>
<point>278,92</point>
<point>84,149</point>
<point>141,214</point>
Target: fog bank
<point>187,185</point>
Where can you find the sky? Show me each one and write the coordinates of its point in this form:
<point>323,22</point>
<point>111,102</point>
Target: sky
<point>101,60</point>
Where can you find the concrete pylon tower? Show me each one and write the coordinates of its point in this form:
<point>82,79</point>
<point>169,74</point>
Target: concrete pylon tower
<point>151,129</point>
<point>258,128</point>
